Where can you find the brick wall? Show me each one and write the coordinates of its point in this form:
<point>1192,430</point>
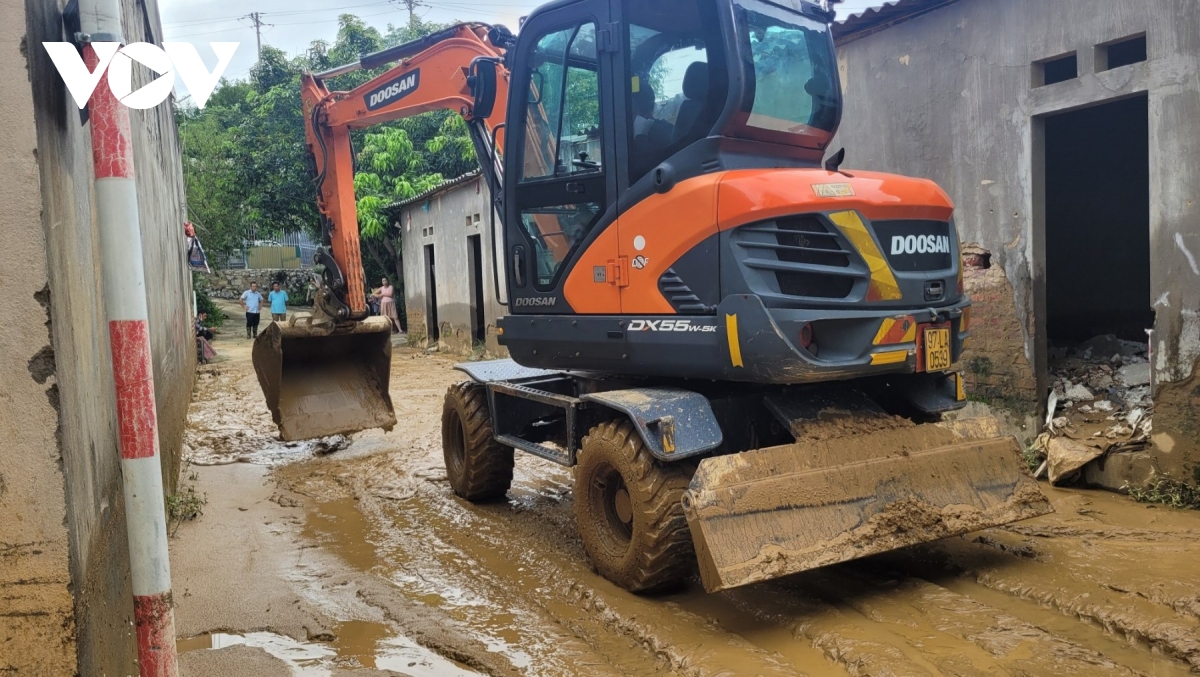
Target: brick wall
<point>994,360</point>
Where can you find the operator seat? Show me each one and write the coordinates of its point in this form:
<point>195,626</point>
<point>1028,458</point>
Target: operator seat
<point>695,92</point>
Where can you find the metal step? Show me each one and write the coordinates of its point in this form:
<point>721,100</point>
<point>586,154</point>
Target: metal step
<point>548,453</point>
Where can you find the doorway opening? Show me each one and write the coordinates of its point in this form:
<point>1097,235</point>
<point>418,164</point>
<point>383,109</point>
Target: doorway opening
<point>475,270</point>
<point>432,326</point>
<point>1097,263</point>
<point>1098,223</point>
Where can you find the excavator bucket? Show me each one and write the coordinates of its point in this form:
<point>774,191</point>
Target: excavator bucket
<point>763,514</point>
<point>322,380</point>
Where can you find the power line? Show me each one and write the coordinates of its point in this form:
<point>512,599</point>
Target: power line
<point>256,17</point>
<point>412,6</point>
<point>342,9</point>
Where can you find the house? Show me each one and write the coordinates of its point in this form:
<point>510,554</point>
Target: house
<point>449,285</point>
<point>1066,133</point>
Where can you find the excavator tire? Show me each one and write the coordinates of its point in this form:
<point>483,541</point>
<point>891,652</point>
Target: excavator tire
<point>479,468</point>
<point>628,510</point>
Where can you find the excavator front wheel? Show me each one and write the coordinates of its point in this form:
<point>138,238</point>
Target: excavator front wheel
<point>628,510</point>
<point>479,468</point>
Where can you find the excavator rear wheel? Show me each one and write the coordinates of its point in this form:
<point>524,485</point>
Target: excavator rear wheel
<point>479,468</point>
<point>628,510</point>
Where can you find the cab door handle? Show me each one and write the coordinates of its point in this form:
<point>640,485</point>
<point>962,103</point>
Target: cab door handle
<point>576,187</point>
<point>518,260</point>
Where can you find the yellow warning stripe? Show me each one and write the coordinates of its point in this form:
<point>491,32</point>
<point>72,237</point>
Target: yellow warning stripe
<point>735,346</point>
<point>890,357</point>
<point>882,280</point>
<point>884,328</point>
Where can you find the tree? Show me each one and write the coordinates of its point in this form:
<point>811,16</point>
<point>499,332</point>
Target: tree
<point>246,165</point>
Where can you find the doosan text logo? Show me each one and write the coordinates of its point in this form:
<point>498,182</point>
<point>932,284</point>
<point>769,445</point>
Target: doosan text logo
<point>920,244</point>
<point>117,61</point>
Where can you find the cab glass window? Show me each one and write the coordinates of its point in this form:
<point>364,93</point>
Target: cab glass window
<point>562,136</point>
<point>676,78</point>
<point>556,231</point>
<point>795,86</point>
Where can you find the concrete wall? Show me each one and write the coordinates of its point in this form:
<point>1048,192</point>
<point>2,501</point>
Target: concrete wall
<point>949,95</point>
<point>37,621</point>
<point>441,221</point>
<point>62,540</point>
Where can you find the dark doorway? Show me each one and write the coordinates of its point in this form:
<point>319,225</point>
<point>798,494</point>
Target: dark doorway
<point>1098,223</point>
<point>475,268</point>
<point>431,303</point>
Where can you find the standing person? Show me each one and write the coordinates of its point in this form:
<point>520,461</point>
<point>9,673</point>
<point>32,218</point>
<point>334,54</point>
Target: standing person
<point>387,304</point>
<point>278,299</point>
<point>252,303</point>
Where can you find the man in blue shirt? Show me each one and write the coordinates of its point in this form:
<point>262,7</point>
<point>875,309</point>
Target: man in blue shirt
<point>278,299</point>
<point>252,303</point>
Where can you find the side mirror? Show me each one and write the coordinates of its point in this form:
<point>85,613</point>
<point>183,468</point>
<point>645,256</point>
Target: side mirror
<point>483,86</point>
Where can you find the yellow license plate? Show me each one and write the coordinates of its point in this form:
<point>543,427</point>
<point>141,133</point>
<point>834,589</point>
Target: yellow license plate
<point>937,349</point>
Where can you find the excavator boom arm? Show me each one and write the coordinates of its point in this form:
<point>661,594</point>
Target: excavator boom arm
<point>433,73</point>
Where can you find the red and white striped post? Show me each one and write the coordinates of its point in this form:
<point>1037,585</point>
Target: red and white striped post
<point>133,372</point>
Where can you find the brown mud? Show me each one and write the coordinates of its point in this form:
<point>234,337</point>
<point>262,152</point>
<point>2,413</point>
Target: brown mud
<point>1102,587</point>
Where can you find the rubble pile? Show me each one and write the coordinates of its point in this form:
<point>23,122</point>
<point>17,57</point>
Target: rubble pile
<point>1100,404</point>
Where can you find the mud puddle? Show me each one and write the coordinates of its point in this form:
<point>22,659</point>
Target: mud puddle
<point>1102,587</point>
<point>358,644</point>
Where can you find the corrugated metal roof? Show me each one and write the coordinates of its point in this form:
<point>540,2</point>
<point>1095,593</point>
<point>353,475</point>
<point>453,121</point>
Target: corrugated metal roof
<point>441,187</point>
<point>885,16</point>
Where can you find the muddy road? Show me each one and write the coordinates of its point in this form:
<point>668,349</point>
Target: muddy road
<point>1102,587</point>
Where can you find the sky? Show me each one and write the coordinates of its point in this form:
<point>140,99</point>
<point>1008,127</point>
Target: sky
<point>292,25</point>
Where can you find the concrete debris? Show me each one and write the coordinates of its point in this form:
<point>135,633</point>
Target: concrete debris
<point>1100,405</point>
<point>1137,374</point>
<point>1065,457</point>
<point>1100,381</point>
<point>1078,392</point>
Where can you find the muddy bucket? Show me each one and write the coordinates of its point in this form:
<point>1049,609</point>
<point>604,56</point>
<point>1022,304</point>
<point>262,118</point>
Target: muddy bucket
<point>320,382</point>
<point>767,513</point>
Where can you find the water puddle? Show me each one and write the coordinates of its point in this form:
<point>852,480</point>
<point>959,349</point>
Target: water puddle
<point>341,526</point>
<point>359,644</point>
<point>261,450</point>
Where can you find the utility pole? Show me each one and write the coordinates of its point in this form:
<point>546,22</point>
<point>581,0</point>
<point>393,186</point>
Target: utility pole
<point>256,17</point>
<point>412,6</point>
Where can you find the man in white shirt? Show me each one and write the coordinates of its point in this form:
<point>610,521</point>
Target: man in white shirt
<point>252,303</point>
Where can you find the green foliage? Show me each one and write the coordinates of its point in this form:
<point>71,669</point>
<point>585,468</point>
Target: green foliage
<point>1033,458</point>
<point>1166,491</point>
<point>204,304</point>
<point>186,505</point>
<point>247,169</point>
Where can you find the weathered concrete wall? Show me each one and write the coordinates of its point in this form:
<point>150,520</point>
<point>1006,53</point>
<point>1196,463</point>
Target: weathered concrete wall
<point>37,619</point>
<point>442,221</point>
<point>949,95</point>
<point>229,284</point>
<point>64,511</point>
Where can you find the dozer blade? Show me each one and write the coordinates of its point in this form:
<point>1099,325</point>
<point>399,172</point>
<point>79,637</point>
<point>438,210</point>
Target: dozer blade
<point>320,382</point>
<point>763,514</point>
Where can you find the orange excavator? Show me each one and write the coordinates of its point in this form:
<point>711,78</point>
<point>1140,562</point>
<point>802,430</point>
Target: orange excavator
<point>744,351</point>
